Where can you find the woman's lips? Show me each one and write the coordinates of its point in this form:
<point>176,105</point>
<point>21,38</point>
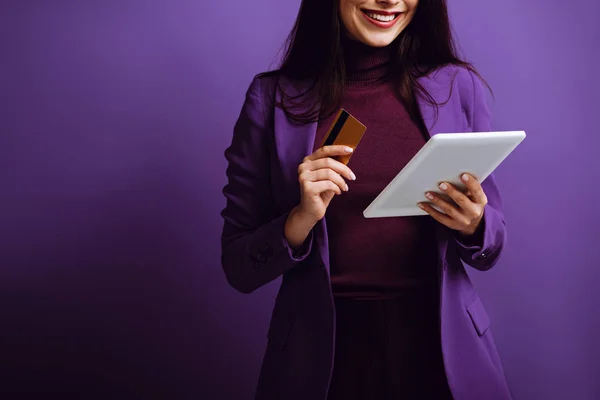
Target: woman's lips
<point>382,19</point>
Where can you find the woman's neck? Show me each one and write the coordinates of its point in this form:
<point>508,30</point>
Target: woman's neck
<point>365,65</point>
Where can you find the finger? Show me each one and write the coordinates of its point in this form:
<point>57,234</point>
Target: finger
<point>325,174</point>
<point>328,195</point>
<point>331,175</point>
<point>474,187</point>
<point>335,165</point>
<point>461,199</point>
<point>438,216</point>
<point>449,209</point>
<point>330,151</point>
<point>320,187</point>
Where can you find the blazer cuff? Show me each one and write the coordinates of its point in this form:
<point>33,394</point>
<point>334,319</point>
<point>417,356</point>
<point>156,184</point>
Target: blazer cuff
<point>271,244</point>
<point>483,244</point>
<point>296,254</point>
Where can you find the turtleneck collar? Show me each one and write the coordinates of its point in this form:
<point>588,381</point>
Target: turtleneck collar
<point>365,65</point>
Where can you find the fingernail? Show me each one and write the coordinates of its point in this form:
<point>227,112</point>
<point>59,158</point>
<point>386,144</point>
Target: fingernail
<point>348,149</point>
<point>347,188</point>
<point>443,186</point>
<point>429,196</point>
<point>352,176</point>
<point>421,206</point>
<point>465,177</point>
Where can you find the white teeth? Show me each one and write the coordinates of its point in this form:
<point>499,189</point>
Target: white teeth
<point>382,18</point>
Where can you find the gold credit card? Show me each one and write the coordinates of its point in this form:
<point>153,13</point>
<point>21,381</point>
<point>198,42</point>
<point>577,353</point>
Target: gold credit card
<point>344,130</point>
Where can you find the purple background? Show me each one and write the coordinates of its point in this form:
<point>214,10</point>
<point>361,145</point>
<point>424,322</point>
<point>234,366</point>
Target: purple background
<point>113,119</point>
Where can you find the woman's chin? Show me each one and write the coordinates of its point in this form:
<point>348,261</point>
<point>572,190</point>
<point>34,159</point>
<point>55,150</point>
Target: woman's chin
<point>377,40</point>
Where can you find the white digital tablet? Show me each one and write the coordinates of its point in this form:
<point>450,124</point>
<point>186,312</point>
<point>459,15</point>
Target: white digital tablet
<point>444,158</point>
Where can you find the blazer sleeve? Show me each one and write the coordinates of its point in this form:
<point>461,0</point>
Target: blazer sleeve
<point>254,250</point>
<point>484,249</point>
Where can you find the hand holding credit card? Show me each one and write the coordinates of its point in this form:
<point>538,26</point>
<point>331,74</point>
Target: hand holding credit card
<point>322,175</point>
<point>345,130</point>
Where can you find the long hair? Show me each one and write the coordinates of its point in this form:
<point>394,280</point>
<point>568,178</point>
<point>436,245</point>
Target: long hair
<point>313,53</point>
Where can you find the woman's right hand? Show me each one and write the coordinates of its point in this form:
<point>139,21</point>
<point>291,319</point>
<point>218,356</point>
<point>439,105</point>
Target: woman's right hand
<point>321,177</point>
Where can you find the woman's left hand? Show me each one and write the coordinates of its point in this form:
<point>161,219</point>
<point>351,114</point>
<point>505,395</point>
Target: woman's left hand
<point>466,215</point>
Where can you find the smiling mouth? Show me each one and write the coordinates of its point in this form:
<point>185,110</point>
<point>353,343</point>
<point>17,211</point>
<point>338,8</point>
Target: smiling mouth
<point>381,17</point>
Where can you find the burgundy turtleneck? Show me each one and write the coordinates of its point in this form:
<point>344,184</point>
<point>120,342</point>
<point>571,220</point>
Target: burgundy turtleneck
<point>381,257</point>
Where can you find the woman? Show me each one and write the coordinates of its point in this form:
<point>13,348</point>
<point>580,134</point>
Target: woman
<point>367,308</point>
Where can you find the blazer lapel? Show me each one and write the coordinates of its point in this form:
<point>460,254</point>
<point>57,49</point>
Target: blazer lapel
<point>442,120</point>
<point>428,112</point>
<point>293,142</point>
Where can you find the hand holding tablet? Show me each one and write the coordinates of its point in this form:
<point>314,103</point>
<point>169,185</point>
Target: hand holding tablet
<point>457,209</point>
<point>443,159</point>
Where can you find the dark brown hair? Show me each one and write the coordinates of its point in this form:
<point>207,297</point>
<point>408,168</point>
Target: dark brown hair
<point>313,53</point>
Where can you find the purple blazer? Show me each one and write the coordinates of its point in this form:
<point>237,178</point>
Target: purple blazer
<point>262,188</point>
